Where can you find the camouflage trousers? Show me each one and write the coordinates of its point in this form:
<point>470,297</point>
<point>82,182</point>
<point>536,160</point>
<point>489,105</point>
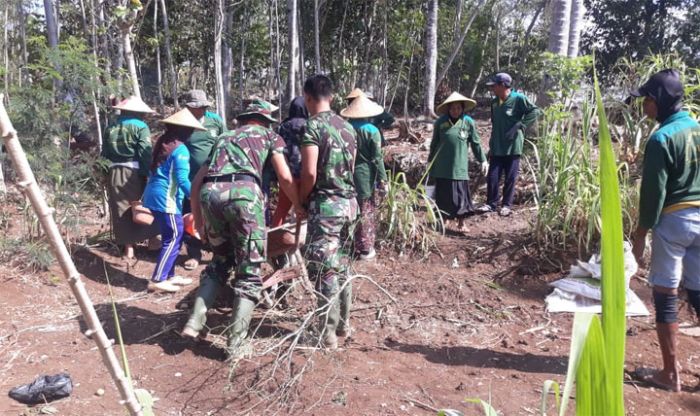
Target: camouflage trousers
<point>366,230</point>
<point>234,218</point>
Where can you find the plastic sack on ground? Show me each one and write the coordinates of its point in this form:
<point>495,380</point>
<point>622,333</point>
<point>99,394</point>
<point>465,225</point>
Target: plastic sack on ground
<point>44,389</point>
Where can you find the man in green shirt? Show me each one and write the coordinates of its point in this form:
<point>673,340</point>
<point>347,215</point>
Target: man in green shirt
<point>199,144</point>
<point>669,205</point>
<point>511,114</point>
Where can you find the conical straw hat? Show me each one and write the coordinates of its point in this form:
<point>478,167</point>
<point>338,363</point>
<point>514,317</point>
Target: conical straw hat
<point>354,94</point>
<point>456,97</point>
<point>184,118</point>
<point>362,107</point>
<point>134,104</point>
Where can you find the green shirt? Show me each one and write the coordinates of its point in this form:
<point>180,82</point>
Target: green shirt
<point>128,140</point>
<point>449,148</point>
<point>200,142</point>
<point>369,163</point>
<point>671,172</point>
<point>516,108</point>
<point>336,143</point>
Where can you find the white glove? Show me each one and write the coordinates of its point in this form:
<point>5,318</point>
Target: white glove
<point>484,168</point>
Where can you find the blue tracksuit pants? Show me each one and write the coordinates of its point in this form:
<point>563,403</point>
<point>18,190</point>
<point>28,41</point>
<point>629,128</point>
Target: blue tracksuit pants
<point>171,231</point>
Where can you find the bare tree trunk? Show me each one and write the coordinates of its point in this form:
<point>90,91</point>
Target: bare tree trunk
<point>317,40</point>
<point>498,40</point>
<point>6,56</point>
<point>51,26</point>
<point>219,20</point>
<point>458,21</point>
<point>278,58</point>
<point>159,72</point>
<point>169,55</point>
<point>293,49</point>
<point>431,52</point>
<point>23,40</point>
<point>228,59</point>
<point>302,59</point>
<point>241,67</point>
<point>131,61</point>
<point>481,65</point>
<point>559,29</point>
<point>576,23</point>
<point>28,184</point>
<point>458,44</point>
<point>525,47</point>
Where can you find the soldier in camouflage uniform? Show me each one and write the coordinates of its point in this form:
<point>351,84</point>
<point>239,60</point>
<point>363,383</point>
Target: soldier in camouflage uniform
<point>231,208</point>
<point>328,159</point>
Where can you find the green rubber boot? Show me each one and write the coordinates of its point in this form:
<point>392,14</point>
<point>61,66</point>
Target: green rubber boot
<point>240,321</point>
<point>330,318</point>
<point>206,295</point>
<point>343,329</point>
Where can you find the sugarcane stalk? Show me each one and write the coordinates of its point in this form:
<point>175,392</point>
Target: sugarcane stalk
<point>27,183</point>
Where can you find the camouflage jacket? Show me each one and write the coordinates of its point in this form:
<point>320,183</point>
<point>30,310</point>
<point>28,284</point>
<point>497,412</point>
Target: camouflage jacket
<point>244,151</point>
<point>336,143</point>
<point>128,140</point>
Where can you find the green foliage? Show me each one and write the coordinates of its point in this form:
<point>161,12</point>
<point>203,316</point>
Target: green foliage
<point>408,219</point>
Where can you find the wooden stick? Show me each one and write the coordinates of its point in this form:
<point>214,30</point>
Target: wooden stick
<point>28,185</point>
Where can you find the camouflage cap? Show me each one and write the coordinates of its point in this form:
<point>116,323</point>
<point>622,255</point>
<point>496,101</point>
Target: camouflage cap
<point>260,108</point>
<point>196,99</point>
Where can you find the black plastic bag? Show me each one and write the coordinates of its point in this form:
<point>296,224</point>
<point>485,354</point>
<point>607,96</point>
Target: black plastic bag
<point>43,389</point>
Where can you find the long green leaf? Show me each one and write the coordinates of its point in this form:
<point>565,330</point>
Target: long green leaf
<point>488,409</point>
<point>612,262</point>
<point>546,388</point>
<point>592,387</point>
<point>579,332</point>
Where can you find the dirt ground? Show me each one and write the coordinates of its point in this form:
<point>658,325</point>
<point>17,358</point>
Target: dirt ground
<point>467,322</point>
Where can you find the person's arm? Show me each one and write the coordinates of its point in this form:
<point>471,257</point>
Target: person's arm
<point>309,164</point>
<point>530,112</point>
<point>384,120</point>
<point>652,193</point>
<point>195,202</point>
<point>434,144</point>
<point>475,142</point>
<point>286,182</point>
<point>182,169</point>
<point>377,156</point>
<point>143,150</point>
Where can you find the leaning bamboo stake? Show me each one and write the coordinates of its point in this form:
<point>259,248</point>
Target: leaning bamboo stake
<point>28,185</point>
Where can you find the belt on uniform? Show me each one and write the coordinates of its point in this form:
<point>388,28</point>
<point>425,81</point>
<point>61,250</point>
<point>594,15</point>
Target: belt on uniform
<point>232,177</point>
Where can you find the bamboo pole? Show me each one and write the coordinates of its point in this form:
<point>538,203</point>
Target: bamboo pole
<point>28,185</point>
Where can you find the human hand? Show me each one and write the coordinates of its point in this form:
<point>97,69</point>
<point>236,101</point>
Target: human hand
<point>484,168</point>
<point>383,189</point>
<point>300,213</point>
<point>512,133</point>
<point>638,245</point>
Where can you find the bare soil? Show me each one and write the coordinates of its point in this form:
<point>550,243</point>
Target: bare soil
<point>467,322</point>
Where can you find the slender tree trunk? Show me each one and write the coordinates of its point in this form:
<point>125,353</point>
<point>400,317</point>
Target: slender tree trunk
<point>458,21</point>
<point>228,59</point>
<point>576,23</point>
<point>169,55</point>
<point>159,71</point>
<point>241,67</point>
<point>6,56</point>
<point>317,40</point>
<point>525,47</point>
<point>219,20</point>
<point>481,61</point>
<point>431,52</point>
<point>278,58</point>
<point>498,41</point>
<point>302,59</point>
<point>293,49</point>
<point>458,45</point>
<point>559,29</point>
<point>51,26</point>
<point>23,40</point>
<point>131,61</point>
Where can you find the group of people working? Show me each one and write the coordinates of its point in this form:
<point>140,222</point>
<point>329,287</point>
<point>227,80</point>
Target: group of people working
<point>328,170</point>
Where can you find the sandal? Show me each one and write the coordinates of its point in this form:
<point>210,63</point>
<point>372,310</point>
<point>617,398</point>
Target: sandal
<point>650,376</point>
<point>191,264</point>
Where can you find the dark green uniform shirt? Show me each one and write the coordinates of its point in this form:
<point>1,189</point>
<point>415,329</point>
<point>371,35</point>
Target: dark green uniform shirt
<point>336,143</point>
<point>671,173</point>
<point>128,140</point>
<point>369,164</point>
<point>449,148</point>
<point>504,115</point>
<point>200,142</point>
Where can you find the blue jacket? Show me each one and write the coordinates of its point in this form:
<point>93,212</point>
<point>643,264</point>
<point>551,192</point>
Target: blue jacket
<point>169,183</point>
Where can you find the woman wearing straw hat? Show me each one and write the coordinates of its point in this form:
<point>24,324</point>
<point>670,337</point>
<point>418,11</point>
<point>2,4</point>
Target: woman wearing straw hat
<point>168,184</point>
<point>453,133</point>
<point>127,146</point>
<point>369,170</point>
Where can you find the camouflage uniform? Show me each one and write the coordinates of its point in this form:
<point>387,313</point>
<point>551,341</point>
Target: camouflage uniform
<point>233,210</point>
<point>332,214</point>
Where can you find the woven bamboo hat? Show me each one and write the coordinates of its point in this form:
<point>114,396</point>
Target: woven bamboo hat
<point>134,104</point>
<point>456,97</point>
<point>184,118</point>
<point>354,94</point>
<point>362,107</point>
